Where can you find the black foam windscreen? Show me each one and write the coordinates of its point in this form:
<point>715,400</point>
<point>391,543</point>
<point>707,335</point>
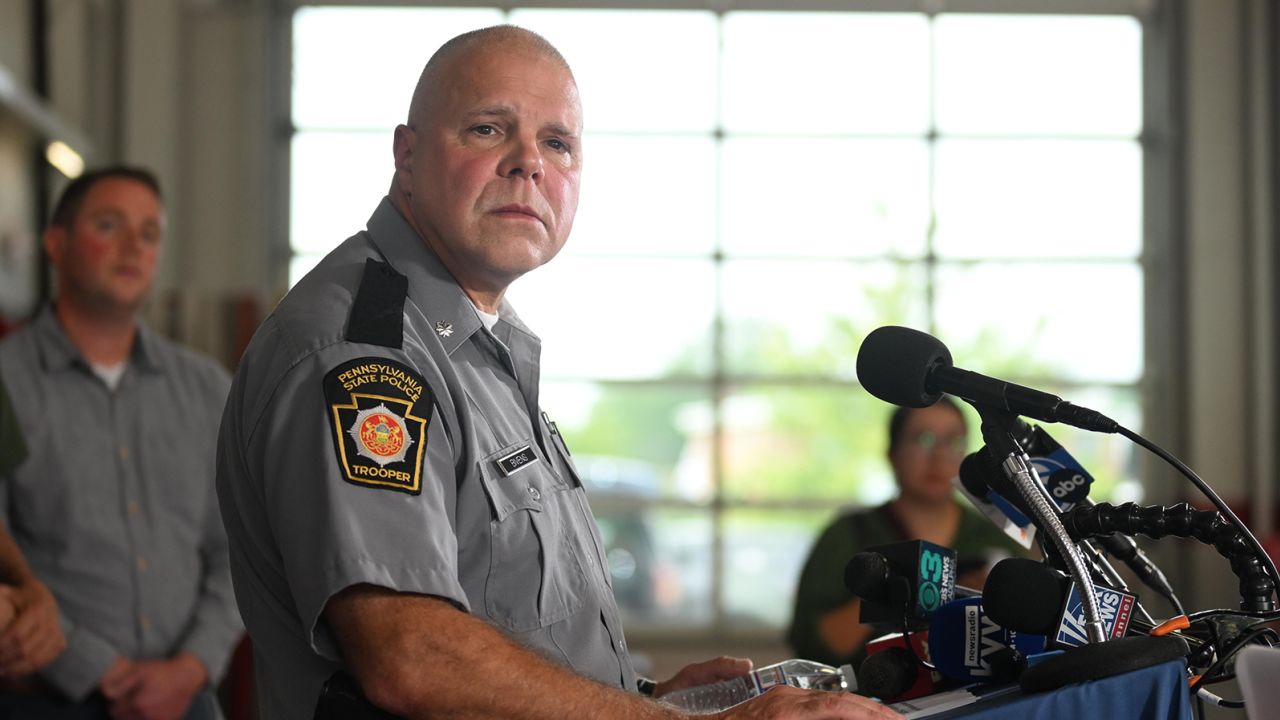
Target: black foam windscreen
<point>981,469</point>
<point>888,673</point>
<point>973,473</point>
<point>866,575</point>
<point>1025,596</point>
<point>894,364</point>
<point>1099,660</point>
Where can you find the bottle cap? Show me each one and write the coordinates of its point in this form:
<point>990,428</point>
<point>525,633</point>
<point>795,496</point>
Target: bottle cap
<point>850,678</point>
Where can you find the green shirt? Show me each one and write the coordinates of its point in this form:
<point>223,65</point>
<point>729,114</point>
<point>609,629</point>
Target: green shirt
<point>822,589</point>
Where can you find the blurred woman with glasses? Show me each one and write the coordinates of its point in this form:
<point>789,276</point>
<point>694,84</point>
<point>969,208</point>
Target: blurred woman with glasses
<point>926,446</point>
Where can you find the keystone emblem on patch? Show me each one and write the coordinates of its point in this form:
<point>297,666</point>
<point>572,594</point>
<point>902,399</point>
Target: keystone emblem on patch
<point>379,410</point>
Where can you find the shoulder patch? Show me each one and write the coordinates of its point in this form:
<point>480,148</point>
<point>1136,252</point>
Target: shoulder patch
<point>379,410</point>
<point>377,314</point>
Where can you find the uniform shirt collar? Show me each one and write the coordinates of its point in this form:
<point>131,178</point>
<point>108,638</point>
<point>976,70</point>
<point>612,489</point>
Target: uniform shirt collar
<point>57,352</point>
<point>431,287</point>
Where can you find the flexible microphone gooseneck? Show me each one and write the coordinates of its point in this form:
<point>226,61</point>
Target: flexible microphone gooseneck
<point>999,431</point>
<point>1181,520</point>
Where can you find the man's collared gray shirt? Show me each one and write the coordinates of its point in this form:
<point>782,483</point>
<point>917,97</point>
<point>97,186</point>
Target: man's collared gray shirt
<point>511,542</point>
<point>114,505</point>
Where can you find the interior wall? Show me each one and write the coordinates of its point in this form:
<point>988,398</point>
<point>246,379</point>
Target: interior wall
<point>19,234</point>
<point>15,40</point>
<point>1231,402</point>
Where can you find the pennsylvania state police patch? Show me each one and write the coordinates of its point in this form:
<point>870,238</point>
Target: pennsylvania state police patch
<point>380,409</point>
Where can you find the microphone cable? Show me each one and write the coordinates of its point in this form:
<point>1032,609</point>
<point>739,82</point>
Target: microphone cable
<point>1214,673</point>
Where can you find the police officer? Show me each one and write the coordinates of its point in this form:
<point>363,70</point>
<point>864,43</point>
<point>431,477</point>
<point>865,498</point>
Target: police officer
<point>398,506</point>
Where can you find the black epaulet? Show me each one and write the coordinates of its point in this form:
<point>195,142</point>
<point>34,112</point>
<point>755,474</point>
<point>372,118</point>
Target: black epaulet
<point>377,315</point>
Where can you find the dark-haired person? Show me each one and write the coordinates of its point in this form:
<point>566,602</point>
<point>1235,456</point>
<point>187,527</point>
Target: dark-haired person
<point>113,506</point>
<point>926,446</point>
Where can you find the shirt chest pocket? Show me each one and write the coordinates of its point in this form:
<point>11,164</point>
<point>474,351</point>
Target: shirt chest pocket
<point>535,578</point>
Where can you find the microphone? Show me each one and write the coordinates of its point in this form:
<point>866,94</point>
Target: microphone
<point>1002,513</point>
<point>908,367</point>
<point>1023,594</point>
<point>1031,597</point>
<point>903,581</point>
<point>966,644</point>
<point>913,369</point>
<point>892,672</point>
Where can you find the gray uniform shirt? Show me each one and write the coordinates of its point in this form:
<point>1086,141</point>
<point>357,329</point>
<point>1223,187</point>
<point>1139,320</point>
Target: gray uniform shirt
<point>114,505</point>
<point>460,489</point>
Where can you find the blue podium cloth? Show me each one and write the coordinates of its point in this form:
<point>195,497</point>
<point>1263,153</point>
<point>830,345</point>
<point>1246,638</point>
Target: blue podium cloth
<point>1154,693</point>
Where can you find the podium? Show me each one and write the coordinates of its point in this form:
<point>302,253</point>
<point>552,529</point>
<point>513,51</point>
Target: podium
<point>1155,693</point>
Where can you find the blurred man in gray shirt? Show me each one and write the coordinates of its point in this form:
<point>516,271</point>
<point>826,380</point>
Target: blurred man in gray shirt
<point>113,507</point>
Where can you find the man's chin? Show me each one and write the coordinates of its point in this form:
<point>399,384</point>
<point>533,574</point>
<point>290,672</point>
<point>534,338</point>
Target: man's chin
<point>115,307</point>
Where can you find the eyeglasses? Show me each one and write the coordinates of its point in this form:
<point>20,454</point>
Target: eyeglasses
<point>928,442</point>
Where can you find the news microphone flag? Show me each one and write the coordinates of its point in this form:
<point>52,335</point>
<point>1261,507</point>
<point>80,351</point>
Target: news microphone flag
<point>1115,608</point>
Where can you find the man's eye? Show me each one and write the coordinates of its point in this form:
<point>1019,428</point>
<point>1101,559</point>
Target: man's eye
<point>484,130</point>
<point>558,145</point>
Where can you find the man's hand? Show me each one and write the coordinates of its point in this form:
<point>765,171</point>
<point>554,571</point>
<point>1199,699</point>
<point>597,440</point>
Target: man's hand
<point>784,702</point>
<point>703,673</point>
<point>33,638</point>
<point>153,689</point>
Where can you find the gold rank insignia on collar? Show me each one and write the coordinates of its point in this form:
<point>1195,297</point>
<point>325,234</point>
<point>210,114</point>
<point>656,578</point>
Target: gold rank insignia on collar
<point>379,410</point>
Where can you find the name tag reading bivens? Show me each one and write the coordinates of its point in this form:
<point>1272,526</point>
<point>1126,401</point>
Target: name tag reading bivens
<point>517,461</point>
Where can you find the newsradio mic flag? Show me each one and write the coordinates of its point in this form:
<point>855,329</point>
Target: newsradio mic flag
<point>968,645</point>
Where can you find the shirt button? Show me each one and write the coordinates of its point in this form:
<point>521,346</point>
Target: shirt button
<point>533,493</point>
<point>133,507</point>
<point>124,453</point>
<point>142,564</point>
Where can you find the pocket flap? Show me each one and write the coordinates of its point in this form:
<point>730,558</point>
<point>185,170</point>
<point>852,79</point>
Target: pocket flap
<point>513,486</point>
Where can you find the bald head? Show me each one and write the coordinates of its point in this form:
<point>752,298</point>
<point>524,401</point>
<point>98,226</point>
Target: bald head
<point>488,164</point>
<point>508,38</point>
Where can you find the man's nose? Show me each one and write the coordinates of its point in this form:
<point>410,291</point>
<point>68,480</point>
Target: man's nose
<point>132,239</point>
<point>523,159</point>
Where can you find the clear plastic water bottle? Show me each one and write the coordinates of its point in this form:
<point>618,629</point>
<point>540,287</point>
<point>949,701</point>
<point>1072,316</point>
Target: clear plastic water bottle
<point>795,672</point>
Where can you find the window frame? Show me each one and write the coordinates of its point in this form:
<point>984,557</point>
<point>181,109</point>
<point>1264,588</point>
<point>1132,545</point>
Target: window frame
<point>1163,278</point>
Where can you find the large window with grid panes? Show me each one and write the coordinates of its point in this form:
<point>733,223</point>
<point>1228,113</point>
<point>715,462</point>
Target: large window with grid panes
<point>761,189</point>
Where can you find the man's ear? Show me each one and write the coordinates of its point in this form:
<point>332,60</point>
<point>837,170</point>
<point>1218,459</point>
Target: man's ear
<point>55,241</point>
<point>402,150</point>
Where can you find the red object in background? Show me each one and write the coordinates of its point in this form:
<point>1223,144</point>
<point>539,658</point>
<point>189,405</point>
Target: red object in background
<point>238,697</point>
<point>1271,544</point>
